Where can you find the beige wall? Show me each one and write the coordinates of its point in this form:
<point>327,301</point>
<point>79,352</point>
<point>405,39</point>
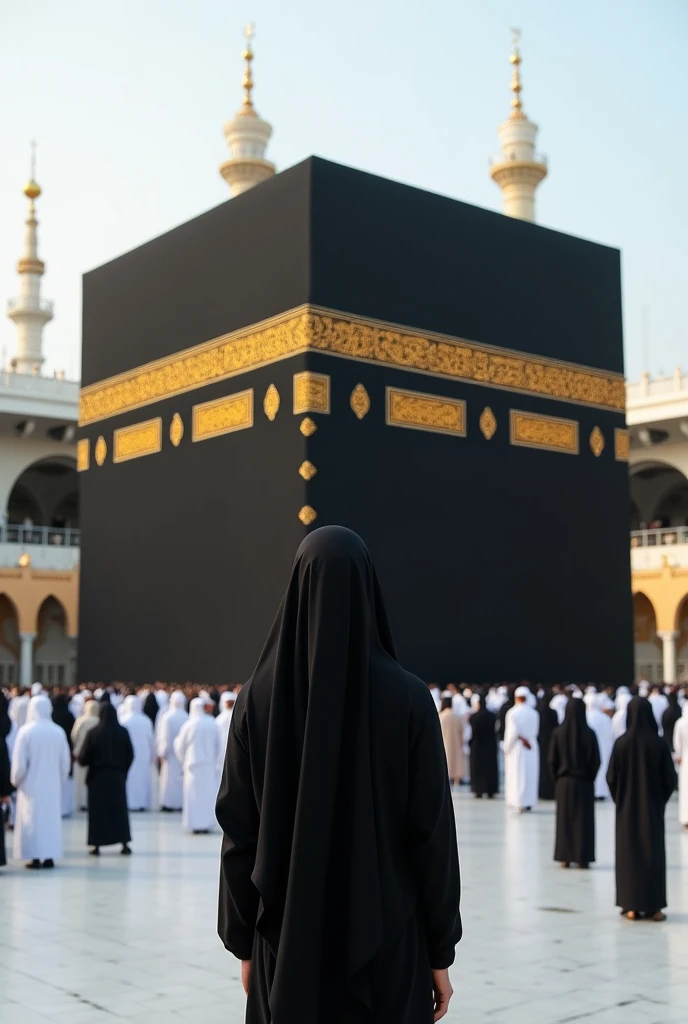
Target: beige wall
<point>28,588</point>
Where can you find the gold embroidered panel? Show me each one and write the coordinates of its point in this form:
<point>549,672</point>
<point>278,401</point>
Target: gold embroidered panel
<point>419,411</point>
<point>622,445</point>
<point>83,455</point>
<point>310,328</point>
<point>548,432</point>
<point>137,440</point>
<point>311,392</point>
<point>210,419</point>
<point>101,450</point>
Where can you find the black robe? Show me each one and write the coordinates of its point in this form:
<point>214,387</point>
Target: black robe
<point>63,717</point>
<point>574,760</point>
<point>339,870</point>
<point>641,778</point>
<point>483,744</point>
<point>151,706</point>
<point>548,723</point>
<point>506,707</point>
<point>669,719</point>
<point>107,753</point>
<point>5,784</point>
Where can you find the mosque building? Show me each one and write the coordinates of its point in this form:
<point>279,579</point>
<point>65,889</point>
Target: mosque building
<point>39,499</point>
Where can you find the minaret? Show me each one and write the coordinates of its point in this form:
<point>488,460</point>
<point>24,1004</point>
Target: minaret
<point>28,311</point>
<point>518,171</point>
<point>247,137</point>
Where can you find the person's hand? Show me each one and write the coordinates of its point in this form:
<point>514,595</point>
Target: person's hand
<point>526,743</point>
<point>443,992</point>
<point>245,974</point>
<point>678,760</point>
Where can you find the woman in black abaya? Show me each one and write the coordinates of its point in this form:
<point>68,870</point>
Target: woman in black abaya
<point>574,760</point>
<point>107,753</point>
<point>483,744</point>
<point>669,719</point>
<point>5,784</point>
<point>548,723</point>
<point>339,885</point>
<point>641,777</point>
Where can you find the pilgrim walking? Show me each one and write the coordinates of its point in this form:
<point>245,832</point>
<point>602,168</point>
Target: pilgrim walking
<point>483,746</point>
<point>339,884</point>
<point>641,779</point>
<point>40,764</point>
<point>574,760</point>
<point>521,753</point>
<point>84,723</point>
<point>139,778</point>
<point>198,748</point>
<point>171,776</point>
<point>108,754</point>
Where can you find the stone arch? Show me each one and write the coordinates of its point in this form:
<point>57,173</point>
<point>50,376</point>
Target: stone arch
<point>659,492</point>
<point>53,651</point>
<point>647,645</point>
<point>44,489</point>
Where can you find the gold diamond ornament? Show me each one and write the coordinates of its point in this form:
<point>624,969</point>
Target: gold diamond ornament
<point>101,450</point>
<point>488,423</point>
<point>176,430</point>
<point>271,402</point>
<point>308,427</point>
<point>307,470</point>
<point>597,442</point>
<point>308,515</point>
<point>360,401</point>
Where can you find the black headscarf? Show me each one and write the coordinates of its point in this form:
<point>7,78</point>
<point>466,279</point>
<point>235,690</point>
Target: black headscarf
<point>62,716</point>
<point>5,729</point>
<point>151,706</point>
<point>107,744</point>
<point>670,717</point>
<point>5,720</point>
<point>329,641</point>
<point>576,741</point>
<point>641,723</point>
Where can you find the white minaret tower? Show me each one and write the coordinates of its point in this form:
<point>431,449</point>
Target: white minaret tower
<point>28,311</point>
<point>518,171</point>
<point>247,137</point>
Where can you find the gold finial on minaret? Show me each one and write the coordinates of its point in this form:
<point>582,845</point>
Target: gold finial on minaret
<point>32,189</point>
<point>249,33</point>
<point>516,86</point>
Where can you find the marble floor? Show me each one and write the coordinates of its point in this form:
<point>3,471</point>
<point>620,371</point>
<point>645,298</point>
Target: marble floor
<point>133,939</point>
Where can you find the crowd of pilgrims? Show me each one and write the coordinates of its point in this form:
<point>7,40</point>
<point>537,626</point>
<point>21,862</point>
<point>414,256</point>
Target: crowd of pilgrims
<point>99,749</point>
<point>576,747</point>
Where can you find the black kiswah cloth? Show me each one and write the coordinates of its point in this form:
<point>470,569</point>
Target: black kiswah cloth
<point>339,875</point>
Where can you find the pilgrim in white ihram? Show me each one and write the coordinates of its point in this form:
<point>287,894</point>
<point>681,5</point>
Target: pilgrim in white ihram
<point>198,748</point>
<point>167,728</point>
<point>601,725</point>
<point>681,756</point>
<point>40,763</point>
<point>140,729</point>
<point>521,753</point>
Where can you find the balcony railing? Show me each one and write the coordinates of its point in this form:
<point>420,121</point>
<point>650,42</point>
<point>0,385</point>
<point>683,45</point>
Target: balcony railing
<point>648,388</point>
<point>19,304</point>
<point>657,538</point>
<point>51,536</point>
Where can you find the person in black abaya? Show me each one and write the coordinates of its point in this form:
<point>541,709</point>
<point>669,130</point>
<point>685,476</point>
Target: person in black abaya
<point>669,719</point>
<point>151,706</point>
<point>62,716</point>
<point>641,778</point>
<point>107,753</point>
<point>483,745</point>
<point>548,723</point>
<point>5,784</point>
<point>339,884</point>
<point>574,761</point>
<point>503,711</point>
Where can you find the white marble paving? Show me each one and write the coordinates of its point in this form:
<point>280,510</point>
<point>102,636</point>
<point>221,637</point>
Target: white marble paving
<point>115,939</point>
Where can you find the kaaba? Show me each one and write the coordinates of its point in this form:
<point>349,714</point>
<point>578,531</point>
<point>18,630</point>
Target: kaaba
<point>333,347</point>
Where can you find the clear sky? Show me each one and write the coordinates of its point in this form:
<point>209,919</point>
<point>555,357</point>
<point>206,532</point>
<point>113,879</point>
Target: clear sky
<point>127,101</point>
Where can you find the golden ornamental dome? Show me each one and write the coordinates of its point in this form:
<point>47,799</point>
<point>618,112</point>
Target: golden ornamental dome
<point>32,189</point>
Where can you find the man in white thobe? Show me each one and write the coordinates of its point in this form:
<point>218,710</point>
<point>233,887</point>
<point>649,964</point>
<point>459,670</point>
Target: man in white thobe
<point>40,764</point>
<point>19,706</point>
<point>681,757</point>
<point>601,725</point>
<point>521,753</point>
<point>198,748</point>
<point>223,721</point>
<point>171,777</point>
<point>659,702</point>
<point>619,717</point>
<point>140,729</point>
<point>558,703</point>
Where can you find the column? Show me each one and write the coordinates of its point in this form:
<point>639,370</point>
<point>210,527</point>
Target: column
<point>26,659</point>
<point>668,638</point>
